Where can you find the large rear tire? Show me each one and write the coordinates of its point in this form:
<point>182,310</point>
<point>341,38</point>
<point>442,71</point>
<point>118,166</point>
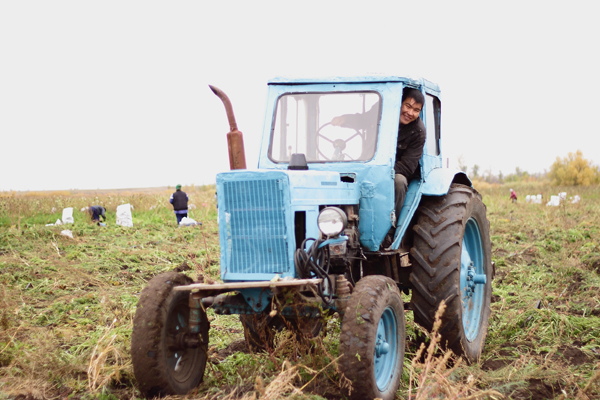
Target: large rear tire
<point>372,339</point>
<point>163,362</point>
<point>451,259</point>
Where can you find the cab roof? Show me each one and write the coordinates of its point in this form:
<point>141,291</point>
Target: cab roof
<point>367,78</point>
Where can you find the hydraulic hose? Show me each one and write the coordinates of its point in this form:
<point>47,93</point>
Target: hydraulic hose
<point>314,263</point>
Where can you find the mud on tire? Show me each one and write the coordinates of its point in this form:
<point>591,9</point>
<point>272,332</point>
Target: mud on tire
<point>372,339</point>
<point>451,256</point>
<point>162,366</point>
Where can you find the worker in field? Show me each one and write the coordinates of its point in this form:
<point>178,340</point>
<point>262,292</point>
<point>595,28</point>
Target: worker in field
<point>179,199</point>
<point>96,212</point>
<point>513,196</point>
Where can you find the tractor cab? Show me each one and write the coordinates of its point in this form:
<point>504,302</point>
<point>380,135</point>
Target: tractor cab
<point>350,126</point>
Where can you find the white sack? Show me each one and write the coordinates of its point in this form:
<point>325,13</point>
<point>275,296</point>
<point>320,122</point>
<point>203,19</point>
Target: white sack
<point>67,233</point>
<point>124,217</point>
<point>554,201</point>
<point>188,222</point>
<point>67,216</point>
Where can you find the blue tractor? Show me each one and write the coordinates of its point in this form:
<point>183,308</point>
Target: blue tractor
<point>307,234</point>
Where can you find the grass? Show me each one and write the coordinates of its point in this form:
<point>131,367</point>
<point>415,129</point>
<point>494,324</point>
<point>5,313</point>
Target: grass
<point>67,304</point>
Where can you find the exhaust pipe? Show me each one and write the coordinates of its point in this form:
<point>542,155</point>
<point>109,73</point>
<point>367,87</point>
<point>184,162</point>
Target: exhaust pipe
<point>235,139</point>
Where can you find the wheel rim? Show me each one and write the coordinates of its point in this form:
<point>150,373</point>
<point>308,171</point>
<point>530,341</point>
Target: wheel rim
<point>181,360</point>
<point>472,279</point>
<point>386,349</point>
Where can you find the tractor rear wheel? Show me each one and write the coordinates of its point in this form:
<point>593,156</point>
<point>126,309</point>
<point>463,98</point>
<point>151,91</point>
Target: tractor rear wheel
<point>372,339</point>
<point>451,258</point>
<point>167,358</point>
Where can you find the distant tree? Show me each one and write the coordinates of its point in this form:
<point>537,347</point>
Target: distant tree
<point>511,178</point>
<point>574,170</point>
<point>489,177</point>
<point>518,171</point>
<point>475,171</point>
<point>462,164</point>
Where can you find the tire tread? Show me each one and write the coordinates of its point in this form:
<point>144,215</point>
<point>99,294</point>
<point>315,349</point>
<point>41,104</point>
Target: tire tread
<point>436,256</point>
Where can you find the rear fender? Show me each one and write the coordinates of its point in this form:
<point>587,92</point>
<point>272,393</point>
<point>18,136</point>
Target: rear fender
<point>438,181</point>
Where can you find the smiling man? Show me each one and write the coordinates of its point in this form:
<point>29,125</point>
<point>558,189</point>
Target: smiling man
<point>411,138</point>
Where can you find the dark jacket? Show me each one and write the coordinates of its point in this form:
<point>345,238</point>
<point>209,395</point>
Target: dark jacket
<point>179,200</point>
<point>97,212</point>
<point>411,139</point>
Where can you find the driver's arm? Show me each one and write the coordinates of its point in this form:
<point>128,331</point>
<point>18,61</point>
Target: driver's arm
<point>356,121</point>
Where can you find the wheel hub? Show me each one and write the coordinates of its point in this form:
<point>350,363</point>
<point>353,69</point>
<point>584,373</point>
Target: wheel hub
<point>381,346</point>
<point>473,279</point>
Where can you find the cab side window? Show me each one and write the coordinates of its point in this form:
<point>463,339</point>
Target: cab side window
<point>432,118</point>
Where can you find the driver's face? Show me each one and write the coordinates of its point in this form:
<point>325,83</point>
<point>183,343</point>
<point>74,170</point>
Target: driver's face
<point>410,111</point>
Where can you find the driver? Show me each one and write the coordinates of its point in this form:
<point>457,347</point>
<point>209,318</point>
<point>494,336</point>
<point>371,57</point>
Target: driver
<point>409,149</point>
<point>411,138</point>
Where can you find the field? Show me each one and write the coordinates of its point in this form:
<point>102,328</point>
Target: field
<point>67,304</point>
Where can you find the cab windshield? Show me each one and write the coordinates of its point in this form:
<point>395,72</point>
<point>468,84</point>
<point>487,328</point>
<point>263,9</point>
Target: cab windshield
<point>326,127</point>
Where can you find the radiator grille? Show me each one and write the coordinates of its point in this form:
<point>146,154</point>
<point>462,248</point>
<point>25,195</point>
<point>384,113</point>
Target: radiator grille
<point>257,229</point>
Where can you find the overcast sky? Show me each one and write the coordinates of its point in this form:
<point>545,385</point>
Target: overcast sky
<point>114,94</point>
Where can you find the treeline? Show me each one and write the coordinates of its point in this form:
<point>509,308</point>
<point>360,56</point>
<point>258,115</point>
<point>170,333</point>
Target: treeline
<point>572,170</point>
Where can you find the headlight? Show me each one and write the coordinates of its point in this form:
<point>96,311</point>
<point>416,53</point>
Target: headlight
<point>332,221</point>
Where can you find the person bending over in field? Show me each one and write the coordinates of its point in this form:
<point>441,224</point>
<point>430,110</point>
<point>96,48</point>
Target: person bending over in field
<point>96,212</point>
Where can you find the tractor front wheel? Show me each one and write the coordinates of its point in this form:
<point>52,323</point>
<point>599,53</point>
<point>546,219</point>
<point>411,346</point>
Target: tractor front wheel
<point>168,359</point>
<point>372,339</point>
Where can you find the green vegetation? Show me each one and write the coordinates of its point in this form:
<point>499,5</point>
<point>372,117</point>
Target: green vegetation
<point>67,304</point>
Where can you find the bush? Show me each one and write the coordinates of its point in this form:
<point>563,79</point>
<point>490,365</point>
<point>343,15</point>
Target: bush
<point>574,170</point>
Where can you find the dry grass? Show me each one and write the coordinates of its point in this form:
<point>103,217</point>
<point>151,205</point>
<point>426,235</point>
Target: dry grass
<point>434,377</point>
<point>106,362</point>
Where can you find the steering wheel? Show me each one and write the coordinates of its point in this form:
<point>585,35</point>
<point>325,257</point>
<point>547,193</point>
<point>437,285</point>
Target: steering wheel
<point>339,145</point>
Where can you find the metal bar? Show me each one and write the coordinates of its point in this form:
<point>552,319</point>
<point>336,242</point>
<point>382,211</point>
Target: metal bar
<point>395,273</point>
<point>195,316</point>
<point>388,268</point>
<point>247,285</point>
